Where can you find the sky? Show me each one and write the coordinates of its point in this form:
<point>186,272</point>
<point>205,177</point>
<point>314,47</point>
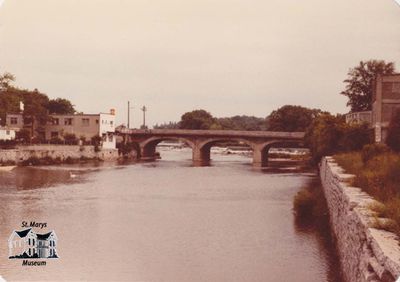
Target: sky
<point>229,57</point>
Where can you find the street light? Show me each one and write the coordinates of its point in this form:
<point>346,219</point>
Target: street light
<point>144,109</point>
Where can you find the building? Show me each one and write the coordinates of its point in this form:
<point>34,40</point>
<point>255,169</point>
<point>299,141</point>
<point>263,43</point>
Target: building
<point>81,125</point>
<point>385,103</point>
<point>359,117</point>
<point>7,133</point>
<point>28,244</point>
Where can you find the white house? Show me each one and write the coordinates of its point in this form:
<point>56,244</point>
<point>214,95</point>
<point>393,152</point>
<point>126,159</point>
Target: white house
<point>7,133</point>
<point>28,244</point>
<point>21,242</point>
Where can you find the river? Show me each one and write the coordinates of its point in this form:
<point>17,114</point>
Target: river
<point>165,221</point>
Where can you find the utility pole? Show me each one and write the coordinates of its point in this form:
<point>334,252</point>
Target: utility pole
<point>129,118</point>
<point>144,109</point>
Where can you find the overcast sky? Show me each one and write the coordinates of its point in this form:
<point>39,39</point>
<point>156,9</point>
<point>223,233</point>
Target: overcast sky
<point>230,57</point>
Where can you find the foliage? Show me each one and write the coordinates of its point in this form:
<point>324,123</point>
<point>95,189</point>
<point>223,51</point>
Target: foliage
<point>372,150</point>
<point>96,142</point>
<point>70,139</point>
<point>393,137</point>
<point>322,136</point>
<point>330,134</point>
<point>23,135</point>
<point>241,123</point>
<point>379,176</point>
<point>56,140</point>
<point>360,83</point>
<point>354,136</point>
<point>197,119</point>
<point>170,125</point>
<point>291,118</point>
<point>5,80</point>
<point>60,106</point>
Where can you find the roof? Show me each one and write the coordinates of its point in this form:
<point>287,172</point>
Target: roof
<point>44,236</point>
<point>23,233</point>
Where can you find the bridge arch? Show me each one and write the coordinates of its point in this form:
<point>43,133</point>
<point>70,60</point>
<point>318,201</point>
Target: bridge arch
<point>148,146</point>
<point>202,151</point>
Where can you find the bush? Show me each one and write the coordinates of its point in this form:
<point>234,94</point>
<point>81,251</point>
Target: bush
<point>355,137</point>
<point>70,139</point>
<point>370,151</point>
<point>56,140</point>
<point>23,136</point>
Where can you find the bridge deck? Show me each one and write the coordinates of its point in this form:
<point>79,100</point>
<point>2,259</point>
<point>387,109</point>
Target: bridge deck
<point>213,133</point>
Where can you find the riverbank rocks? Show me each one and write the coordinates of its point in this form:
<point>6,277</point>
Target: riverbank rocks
<point>60,152</point>
<point>366,253</point>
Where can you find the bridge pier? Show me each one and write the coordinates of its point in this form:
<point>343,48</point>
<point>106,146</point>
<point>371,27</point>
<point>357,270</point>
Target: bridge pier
<point>260,157</point>
<point>201,155</point>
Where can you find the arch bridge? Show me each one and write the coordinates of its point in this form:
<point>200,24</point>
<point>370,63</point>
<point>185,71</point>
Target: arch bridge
<point>201,141</point>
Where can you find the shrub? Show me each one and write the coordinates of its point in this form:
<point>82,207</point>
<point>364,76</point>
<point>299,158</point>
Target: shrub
<point>56,140</point>
<point>372,150</point>
<point>70,139</point>
<point>23,136</point>
<point>354,137</point>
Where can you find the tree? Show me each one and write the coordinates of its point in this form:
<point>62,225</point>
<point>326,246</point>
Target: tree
<point>35,108</point>
<point>291,118</point>
<point>323,136</point>
<point>242,123</point>
<point>360,83</point>
<point>197,119</point>
<point>5,80</point>
<point>60,106</point>
<point>393,136</point>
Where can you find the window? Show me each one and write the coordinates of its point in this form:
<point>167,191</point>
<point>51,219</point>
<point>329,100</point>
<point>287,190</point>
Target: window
<point>13,120</point>
<point>97,121</point>
<point>29,241</point>
<point>85,122</point>
<point>56,121</point>
<point>33,243</point>
<point>110,138</point>
<point>54,134</point>
<point>7,132</point>
<point>111,122</point>
<point>68,121</point>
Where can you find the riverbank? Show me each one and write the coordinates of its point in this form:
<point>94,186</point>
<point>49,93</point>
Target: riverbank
<point>366,253</point>
<point>54,154</point>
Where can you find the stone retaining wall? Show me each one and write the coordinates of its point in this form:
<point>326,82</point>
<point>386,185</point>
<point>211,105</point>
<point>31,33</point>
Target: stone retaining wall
<point>23,153</point>
<point>366,253</point>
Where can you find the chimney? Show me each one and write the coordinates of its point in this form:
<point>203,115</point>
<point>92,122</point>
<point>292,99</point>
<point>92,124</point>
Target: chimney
<point>112,112</point>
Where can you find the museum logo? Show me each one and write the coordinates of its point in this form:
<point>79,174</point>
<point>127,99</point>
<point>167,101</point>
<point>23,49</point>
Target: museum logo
<point>32,247</point>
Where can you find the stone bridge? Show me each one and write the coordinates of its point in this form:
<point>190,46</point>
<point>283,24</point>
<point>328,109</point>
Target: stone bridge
<point>201,141</point>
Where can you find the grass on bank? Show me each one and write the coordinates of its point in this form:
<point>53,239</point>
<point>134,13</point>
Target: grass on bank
<point>377,172</point>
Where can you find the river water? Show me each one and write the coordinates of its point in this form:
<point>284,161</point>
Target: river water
<point>165,221</point>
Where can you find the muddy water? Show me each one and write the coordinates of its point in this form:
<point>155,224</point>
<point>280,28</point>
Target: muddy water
<point>165,221</point>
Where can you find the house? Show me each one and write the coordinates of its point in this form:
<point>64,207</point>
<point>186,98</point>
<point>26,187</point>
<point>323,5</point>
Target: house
<point>22,242</point>
<point>81,125</point>
<point>7,133</point>
<point>385,103</point>
<point>28,244</point>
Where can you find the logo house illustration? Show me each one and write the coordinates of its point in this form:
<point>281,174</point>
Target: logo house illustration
<point>29,244</point>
